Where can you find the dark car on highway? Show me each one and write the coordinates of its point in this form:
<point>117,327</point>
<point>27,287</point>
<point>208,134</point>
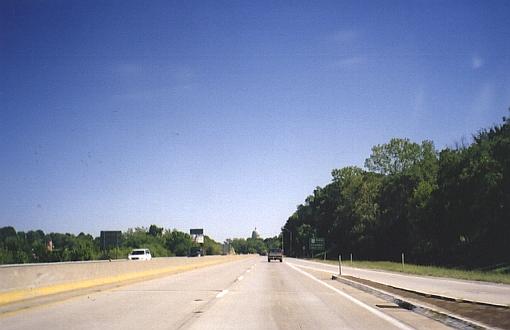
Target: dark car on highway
<point>196,252</point>
<point>275,254</point>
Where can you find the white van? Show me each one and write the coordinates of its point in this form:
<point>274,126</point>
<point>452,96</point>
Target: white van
<point>140,254</point>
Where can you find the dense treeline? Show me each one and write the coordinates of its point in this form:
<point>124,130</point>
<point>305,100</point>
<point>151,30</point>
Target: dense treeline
<point>35,246</point>
<point>254,245</point>
<point>447,208</point>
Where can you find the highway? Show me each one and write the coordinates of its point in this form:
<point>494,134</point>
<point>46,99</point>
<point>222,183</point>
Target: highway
<point>492,293</point>
<point>245,294</point>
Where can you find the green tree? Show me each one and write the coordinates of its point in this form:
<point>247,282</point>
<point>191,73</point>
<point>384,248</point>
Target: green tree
<point>7,232</point>
<point>177,242</point>
<point>211,247</point>
<point>450,207</point>
<point>397,156</point>
<point>155,230</point>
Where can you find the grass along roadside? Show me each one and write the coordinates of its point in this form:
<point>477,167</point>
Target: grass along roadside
<point>494,276</point>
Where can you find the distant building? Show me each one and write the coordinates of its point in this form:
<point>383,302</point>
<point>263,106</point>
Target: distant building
<point>254,234</point>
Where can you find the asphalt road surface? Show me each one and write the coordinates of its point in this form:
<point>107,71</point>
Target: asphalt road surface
<point>246,294</point>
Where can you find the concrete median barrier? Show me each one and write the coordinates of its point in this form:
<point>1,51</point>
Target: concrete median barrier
<point>25,282</point>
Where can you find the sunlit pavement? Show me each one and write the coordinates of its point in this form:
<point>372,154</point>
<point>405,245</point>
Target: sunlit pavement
<point>246,294</point>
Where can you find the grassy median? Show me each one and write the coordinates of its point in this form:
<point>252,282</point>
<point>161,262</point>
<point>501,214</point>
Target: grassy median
<point>496,275</point>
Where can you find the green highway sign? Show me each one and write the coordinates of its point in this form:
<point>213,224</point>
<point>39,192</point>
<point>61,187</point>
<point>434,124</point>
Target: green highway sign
<point>317,244</point>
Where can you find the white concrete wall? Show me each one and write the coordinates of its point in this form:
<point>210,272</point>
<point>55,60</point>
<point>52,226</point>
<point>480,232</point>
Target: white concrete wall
<point>14,277</point>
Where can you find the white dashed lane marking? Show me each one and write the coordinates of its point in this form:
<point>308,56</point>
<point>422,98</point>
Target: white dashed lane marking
<point>222,293</point>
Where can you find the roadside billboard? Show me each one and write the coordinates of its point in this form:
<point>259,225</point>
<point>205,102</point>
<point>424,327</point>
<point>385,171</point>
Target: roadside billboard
<point>110,239</point>
<point>197,235</point>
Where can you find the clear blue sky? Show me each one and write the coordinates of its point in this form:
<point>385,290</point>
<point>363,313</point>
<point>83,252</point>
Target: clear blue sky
<point>226,115</point>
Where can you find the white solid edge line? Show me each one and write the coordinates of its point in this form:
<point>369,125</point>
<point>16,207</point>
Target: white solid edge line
<point>372,310</point>
<point>316,263</point>
<point>316,269</point>
<point>222,293</point>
